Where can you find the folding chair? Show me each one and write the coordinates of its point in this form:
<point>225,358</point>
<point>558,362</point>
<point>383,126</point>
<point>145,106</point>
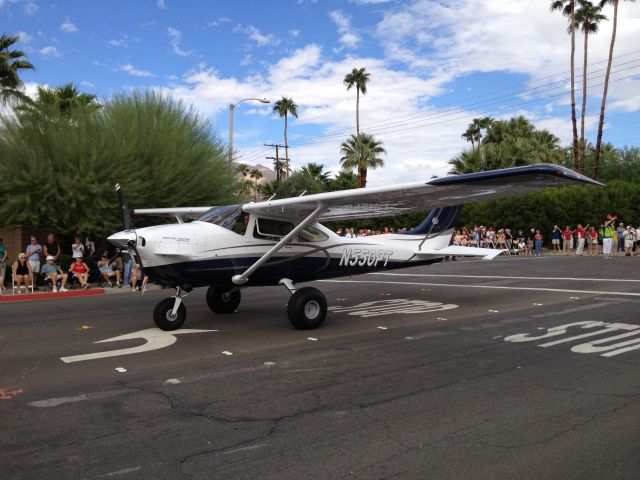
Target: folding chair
<point>14,287</point>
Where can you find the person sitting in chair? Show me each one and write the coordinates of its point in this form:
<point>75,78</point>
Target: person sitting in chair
<point>22,272</point>
<point>53,274</point>
<point>80,271</point>
<point>108,269</point>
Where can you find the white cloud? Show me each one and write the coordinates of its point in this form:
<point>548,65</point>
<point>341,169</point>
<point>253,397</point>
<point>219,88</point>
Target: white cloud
<point>31,8</point>
<point>24,37</point>
<point>131,70</point>
<point>348,37</point>
<point>86,83</point>
<point>50,52</point>
<point>259,38</point>
<point>68,26</point>
<point>118,42</point>
<point>175,37</point>
<point>161,4</point>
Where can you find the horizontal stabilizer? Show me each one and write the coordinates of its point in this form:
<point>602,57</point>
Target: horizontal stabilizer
<point>486,253</point>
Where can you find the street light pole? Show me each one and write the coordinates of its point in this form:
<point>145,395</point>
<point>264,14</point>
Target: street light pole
<point>231,107</point>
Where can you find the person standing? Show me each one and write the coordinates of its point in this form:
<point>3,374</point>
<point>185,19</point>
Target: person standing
<point>34,251</point>
<point>607,236</point>
<point>592,239</point>
<point>555,238</point>
<point>537,240</point>
<point>77,249</point>
<point>567,236</point>
<point>51,248</point>
<point>620,231</point>
<point>629,240</point>
<point>3,264</point>
<point>581,235</point>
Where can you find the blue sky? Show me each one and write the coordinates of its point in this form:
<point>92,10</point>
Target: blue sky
<point>435,65</point>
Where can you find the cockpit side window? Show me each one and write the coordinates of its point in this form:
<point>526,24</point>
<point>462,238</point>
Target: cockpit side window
<point>230,217</point>
<point>271,229</point>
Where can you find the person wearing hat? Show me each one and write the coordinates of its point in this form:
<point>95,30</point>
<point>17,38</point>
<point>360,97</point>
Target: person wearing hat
<point>629,239</point>
<point>53,273</point>
<point>80,271</point>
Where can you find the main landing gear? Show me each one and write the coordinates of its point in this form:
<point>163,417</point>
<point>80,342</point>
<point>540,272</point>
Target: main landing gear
<point>307,307</point>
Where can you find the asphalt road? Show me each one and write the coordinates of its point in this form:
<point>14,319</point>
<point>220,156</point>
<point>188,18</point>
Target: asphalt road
<point>437,372</point>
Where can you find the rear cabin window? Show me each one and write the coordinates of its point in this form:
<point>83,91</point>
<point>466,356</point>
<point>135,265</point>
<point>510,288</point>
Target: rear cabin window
<point>271,229</point>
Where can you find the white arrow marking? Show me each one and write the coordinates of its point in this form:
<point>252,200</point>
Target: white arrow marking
<point>155,339</point>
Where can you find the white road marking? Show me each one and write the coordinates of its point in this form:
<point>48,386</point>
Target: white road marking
<point>392,306</point>
<point>604,346</point>
<point>498,287</point>
<point>124,471</point>
<point>155,339</point>
<point>504,277</point>
<point>54,402</point>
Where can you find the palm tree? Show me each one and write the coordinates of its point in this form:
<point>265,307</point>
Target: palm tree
<point>11,62</point>
<point>255,175</point>
<point>596,162</point>
<point>284,107</point>
<point>316,171</point>
<point>587,17</point>
<point>567,7</point>
<point>358,77</point>
<point>468,161</point>
<point>361,152</point>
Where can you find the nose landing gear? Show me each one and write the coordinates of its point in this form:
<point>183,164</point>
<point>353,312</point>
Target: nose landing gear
<point>170,313</point>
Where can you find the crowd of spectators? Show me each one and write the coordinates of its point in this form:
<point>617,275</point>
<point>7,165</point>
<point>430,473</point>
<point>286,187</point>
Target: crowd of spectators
<point>41,265</point>
<point>607,239</point>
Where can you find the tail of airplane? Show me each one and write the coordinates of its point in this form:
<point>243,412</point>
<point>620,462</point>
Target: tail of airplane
<point>439,220</point>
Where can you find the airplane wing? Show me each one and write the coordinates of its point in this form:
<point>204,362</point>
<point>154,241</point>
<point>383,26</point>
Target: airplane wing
<point>420,196</point>
<point>179,213</point>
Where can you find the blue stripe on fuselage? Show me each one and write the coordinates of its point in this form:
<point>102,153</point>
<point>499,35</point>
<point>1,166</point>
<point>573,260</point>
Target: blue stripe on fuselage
<point>202,273</point>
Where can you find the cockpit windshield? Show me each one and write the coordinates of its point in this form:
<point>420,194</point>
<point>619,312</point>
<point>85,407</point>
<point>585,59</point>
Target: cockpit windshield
<point>226,217</point>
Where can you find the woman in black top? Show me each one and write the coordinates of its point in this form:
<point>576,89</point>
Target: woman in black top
<point>22,272</point>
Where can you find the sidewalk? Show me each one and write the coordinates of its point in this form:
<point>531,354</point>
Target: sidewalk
<point>7,296</point>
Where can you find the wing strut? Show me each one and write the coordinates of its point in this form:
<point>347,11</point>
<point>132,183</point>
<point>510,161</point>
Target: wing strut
<point>244,278</point>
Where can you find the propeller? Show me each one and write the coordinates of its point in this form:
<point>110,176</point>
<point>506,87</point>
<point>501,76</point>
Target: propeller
<point>125,210</point>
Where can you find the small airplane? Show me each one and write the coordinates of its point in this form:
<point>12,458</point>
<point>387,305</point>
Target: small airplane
<point>281,242</point>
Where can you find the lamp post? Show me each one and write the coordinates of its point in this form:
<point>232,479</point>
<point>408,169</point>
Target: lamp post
<point>231,107</point>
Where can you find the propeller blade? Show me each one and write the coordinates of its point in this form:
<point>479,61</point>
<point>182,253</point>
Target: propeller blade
<point>126,212</point>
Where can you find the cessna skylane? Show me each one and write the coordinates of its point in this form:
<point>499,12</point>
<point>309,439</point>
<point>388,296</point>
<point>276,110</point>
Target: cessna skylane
<point>281,242</point>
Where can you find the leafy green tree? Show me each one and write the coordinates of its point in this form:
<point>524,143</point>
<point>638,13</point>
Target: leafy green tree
<point>362,152</point>
<point>358,77</point>
<point>476,129</point>
<point>568,7</point>
<point>60,173</point>
<point>588,17</point>
<point>343,181</point>
<point>284,107</point>
<point>11,63</point>
<point>298,183</point>
<point>606,85</point>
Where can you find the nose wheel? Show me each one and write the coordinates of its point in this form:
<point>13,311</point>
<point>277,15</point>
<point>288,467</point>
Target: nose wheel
<point>170,313</point>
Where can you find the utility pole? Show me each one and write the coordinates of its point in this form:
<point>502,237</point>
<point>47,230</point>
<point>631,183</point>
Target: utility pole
<point>276,160</point>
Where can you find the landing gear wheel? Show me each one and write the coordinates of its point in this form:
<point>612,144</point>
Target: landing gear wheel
<point>163,318</point>
<point>307,308</point>
<point>223,299</point>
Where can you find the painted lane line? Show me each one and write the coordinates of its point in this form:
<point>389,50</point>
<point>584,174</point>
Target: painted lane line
<point>54,402</point>
<point>496,287</point>
<point>503,277</point>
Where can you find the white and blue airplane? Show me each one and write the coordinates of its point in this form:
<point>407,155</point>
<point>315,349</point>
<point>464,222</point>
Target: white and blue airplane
<point>281,242</point>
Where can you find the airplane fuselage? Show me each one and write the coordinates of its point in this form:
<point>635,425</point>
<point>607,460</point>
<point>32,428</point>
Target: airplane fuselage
<point>199,254</point>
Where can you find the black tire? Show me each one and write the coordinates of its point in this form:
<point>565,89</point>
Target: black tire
<point>307,308</point>
<point>223,299</point>
<point>162,315</point>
